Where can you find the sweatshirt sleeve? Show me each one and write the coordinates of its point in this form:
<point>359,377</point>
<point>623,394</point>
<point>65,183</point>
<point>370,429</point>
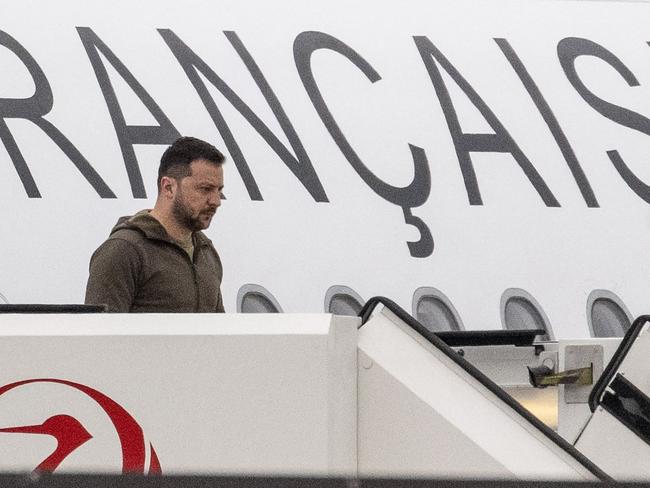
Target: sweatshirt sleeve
<point>114,270</point>
<point>220,308</point>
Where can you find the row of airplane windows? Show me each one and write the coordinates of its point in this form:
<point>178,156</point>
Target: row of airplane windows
<point>607,315</point>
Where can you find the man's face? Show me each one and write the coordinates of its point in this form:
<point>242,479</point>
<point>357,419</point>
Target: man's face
<point>198,196</point>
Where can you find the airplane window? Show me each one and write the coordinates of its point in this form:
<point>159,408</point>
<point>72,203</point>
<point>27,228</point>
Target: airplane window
<point>519,310</point>
<point>434,310</point>
<point>343,300</point>
<point>256,299</point>
<point>607,315</point>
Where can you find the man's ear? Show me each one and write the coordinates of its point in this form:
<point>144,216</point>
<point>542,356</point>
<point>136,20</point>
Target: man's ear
<point>168,186</point>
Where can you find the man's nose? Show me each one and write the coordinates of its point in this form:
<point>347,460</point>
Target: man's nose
<point>215,199</point>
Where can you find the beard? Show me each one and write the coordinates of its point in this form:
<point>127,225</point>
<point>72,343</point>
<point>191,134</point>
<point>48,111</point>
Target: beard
<point>185,216</point>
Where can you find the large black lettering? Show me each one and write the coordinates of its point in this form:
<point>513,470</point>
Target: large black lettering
<point>34,109</point>
<point>568,50</point>
<point>408,197</point>
<point>551,121</point>
<point>500,141</point>
<point>127,135</point>
<point>300,164</point>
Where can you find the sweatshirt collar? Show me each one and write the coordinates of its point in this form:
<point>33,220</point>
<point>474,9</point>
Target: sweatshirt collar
<point>153,229</point>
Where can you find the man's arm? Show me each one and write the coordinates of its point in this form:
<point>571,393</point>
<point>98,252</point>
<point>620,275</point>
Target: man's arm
<point>114,270</point>
<point>220,308</point>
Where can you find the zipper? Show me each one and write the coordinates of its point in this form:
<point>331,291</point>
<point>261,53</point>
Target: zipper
<point>194,274</point>
<point>197,298</point>
<point>197,301</point>
<point>196,287</point>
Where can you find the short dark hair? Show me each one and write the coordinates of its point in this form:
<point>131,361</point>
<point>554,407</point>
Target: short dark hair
<point>175,161</point>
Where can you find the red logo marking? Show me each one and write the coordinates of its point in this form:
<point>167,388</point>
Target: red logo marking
<point>70,434</point>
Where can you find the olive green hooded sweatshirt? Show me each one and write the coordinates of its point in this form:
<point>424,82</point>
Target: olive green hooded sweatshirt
<point>140,268</point>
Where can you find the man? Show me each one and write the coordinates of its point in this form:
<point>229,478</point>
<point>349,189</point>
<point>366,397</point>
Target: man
<point>159,260</point>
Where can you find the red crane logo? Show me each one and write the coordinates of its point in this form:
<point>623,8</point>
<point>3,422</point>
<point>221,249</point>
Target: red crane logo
<point>70,434</point>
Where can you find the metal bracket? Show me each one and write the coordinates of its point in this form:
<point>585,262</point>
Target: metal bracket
<point>584,365</point>
<point>543,376</point>
<point>580,356</point>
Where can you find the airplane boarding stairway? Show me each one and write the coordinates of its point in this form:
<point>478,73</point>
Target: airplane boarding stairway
<point>617,436</point>
<point>298,395</point>
<point>425,411</point>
